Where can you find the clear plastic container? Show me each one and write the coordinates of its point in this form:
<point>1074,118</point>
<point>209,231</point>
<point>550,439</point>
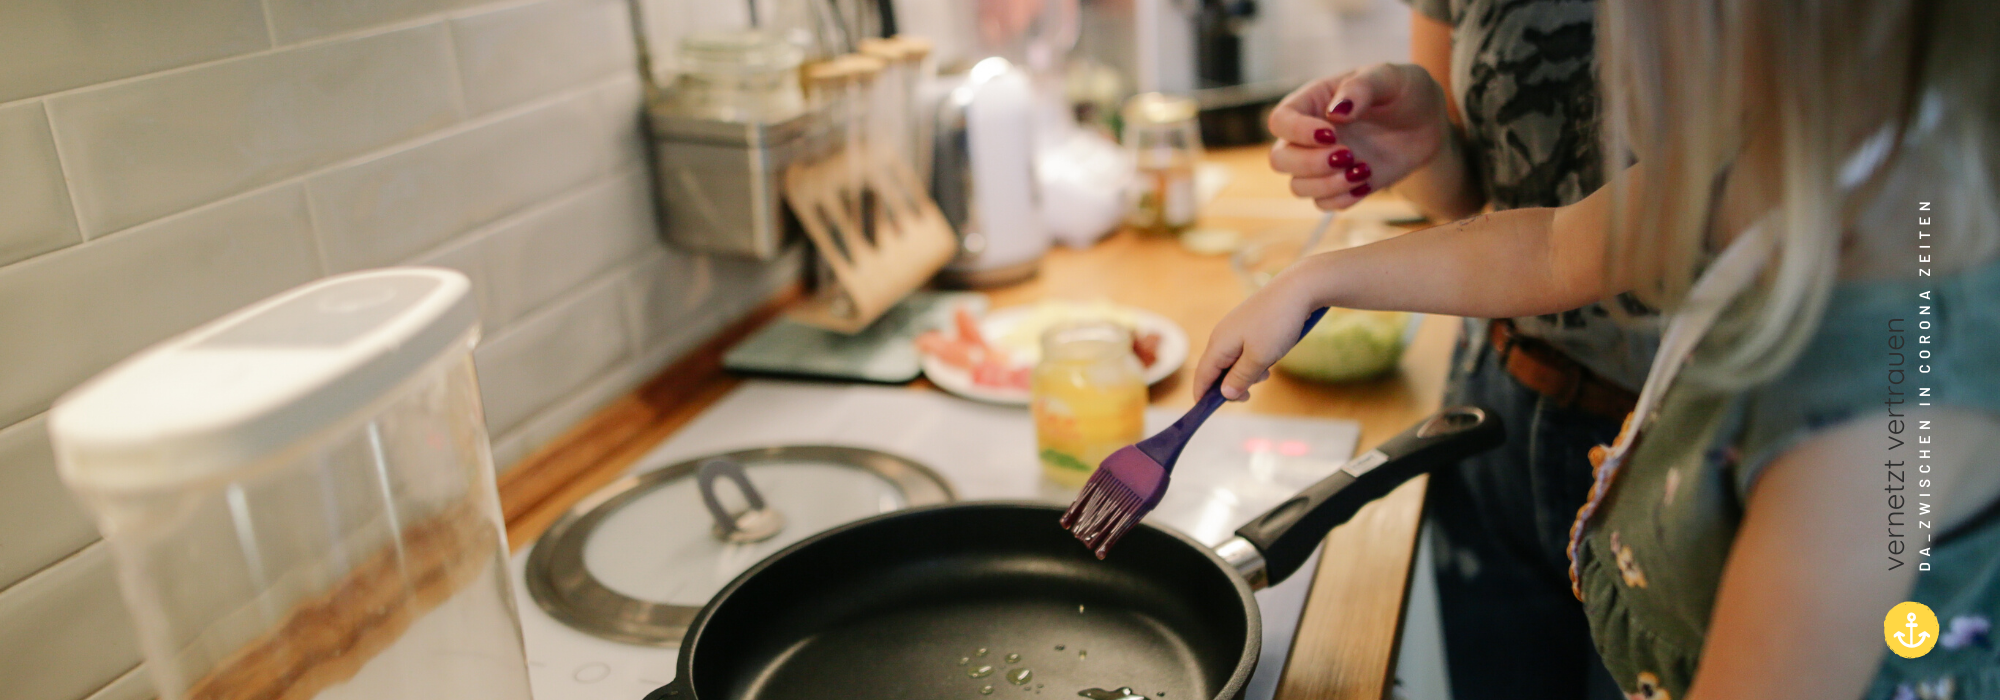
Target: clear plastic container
<point>300,498</point>
<point>1088,398</point>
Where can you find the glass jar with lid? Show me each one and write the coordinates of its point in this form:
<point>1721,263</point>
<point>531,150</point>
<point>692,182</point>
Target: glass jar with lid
<point>739,76</point>
<point>1088,398</point>
<point>1164,137</point>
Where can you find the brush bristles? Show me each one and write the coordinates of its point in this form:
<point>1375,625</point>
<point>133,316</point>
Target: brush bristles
<point>1103,512</point>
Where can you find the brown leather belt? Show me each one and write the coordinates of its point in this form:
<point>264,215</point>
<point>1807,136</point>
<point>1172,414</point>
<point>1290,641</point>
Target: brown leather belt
<point>1541,367</point>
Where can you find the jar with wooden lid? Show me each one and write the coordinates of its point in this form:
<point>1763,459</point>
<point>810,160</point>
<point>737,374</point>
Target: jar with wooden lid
<point>1164,137</point>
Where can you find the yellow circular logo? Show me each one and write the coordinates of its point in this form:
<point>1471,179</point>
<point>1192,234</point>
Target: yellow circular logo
<point>1910,629</point>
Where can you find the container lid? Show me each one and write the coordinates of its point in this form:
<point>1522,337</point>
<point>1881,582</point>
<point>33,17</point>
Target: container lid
<point>737,52</point>
<point>888,50</point>
<point>260,380</point>
<point>915,48</point>
<point>636,561</point>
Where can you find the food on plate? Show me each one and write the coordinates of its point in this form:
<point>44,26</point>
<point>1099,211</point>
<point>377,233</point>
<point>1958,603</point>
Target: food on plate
<point>1146,346</point>
<point>1023,341</point>
<point>966,348</point>
<point>1004,360</point>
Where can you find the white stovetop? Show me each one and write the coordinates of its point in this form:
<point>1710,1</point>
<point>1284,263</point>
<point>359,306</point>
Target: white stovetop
<point>1237,466</point>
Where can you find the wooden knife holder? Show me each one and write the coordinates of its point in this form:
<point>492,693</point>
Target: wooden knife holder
<point>890,247</point>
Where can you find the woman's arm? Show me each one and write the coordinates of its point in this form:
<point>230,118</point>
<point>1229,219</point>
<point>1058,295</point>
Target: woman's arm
<point>1520,262</point>
<point>1799,612</point>
<point>1444,187</point>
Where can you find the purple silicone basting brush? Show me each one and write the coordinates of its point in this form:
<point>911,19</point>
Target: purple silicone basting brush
<point>1131,481</point>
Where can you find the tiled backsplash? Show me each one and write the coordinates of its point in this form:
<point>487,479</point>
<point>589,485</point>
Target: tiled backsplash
<point>164,163</point>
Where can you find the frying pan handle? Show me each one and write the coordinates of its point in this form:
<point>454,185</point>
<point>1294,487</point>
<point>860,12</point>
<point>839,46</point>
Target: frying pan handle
<point>1286,535</point>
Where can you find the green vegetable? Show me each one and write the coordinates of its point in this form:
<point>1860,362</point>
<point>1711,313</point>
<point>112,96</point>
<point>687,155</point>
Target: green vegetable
<point>1348,345</point>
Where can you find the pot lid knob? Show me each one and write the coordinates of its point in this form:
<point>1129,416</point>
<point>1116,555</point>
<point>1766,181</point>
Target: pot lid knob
<point>756,523</point>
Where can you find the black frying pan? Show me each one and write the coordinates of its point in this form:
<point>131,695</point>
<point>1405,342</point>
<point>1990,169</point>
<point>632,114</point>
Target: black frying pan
<point>899,606</point>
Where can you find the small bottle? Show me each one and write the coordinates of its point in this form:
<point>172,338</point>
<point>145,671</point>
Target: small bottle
<point>1164,137</point>
<point>1088,397</point>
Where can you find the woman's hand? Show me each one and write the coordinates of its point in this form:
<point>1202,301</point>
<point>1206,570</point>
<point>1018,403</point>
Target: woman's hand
<point>1345,136</point>
<point>1254,336</point>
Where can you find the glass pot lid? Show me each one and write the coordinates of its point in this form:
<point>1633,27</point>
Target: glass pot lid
<point>635,561</point>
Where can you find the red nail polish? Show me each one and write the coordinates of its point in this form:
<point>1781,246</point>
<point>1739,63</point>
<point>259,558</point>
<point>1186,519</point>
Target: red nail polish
<point>1325,136</point>
<point>1340,160</point>
<point>1343,107</point>
<point>1359,172</point>
<point>1361,190</point>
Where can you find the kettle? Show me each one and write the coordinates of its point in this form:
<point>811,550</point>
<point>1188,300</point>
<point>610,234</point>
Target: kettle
<point>983,176</point>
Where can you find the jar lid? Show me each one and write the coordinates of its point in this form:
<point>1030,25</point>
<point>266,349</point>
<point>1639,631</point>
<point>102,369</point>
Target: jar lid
<point>273,375</point>
<point>889,50</point>
<point>635,561</point>
<point>736,52</point>
<point>863,67</point>
<point>1158,109</point>
<point>915,48</point>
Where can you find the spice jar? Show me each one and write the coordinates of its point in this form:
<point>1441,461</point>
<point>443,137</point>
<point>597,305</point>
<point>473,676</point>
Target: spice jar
<point>1088,398</point>
<point>1164,138</point>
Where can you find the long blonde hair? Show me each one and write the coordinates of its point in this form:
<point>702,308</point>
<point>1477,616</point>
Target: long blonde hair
<point>1868,105</point>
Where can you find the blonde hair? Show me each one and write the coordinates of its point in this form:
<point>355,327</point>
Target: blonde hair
<point>1868,107</point>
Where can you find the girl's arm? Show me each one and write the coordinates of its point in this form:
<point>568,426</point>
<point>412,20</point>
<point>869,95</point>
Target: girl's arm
<point>1800,609</point>
<point>1520,262</point>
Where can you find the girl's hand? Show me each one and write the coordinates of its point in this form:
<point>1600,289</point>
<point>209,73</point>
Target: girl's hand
<point>1254,336</point>
<point>1345,136</point>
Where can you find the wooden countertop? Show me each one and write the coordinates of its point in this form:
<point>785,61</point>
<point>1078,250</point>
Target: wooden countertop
<point>1347,640</point>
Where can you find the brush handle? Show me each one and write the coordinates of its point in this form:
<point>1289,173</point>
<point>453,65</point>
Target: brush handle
<point>1287,534</point>
<point>1165,447</point>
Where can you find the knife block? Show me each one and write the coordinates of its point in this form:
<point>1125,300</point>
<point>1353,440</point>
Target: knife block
<point>877,255</point>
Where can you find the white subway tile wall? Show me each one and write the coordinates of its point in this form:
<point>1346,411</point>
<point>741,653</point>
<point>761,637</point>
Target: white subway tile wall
<point>165,163</point>
<point>294,21</point>
<point>67,630</point>
<point>143,149</point>
<point>52,45</point>
<point>513,54</point>
<point>550,355</point>
<point>38,217</point>
<point>41,525</point>
<point>132,685</point>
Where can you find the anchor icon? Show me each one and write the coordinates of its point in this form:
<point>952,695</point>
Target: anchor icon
<point>1920,637</point>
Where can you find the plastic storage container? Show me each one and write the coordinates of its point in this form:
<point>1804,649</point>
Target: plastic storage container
<point>300,498</point>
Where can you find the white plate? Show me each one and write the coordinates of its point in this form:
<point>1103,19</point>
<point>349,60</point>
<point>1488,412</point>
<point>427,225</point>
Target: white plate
<point>1172,353</point>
